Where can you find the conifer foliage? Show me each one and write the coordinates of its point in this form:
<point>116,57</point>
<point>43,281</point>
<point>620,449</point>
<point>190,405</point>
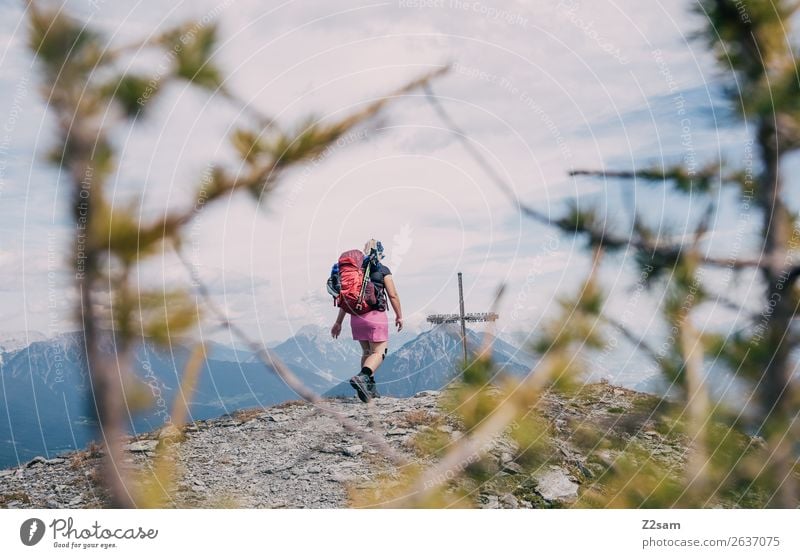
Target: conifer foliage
<point>94,97</point>
<point>738,456</point>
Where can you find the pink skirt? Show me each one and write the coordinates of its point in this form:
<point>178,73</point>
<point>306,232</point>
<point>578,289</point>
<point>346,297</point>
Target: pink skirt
<point>372,326</point>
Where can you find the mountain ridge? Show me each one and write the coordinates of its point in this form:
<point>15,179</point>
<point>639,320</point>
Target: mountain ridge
<point>46,406</point>
<point>432,359</point>
<point>292,456</point>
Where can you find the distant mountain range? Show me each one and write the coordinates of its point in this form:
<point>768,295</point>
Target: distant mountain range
<point>14,340</point>
<point>47,405</point>
<point>431,360</point>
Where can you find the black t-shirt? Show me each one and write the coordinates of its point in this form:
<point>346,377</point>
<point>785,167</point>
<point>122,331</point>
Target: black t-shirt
<point>377,273</point>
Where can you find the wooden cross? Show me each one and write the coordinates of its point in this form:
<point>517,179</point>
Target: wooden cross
<point>462,317</point>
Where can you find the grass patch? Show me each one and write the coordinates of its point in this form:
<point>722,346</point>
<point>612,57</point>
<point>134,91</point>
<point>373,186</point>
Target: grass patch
<point>418,417</point>
<point>244,415</point>
<point>292,403</point>
<point>8,497</point>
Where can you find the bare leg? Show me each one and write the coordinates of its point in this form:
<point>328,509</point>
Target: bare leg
<point>365,351</point>
<point>376,355</point>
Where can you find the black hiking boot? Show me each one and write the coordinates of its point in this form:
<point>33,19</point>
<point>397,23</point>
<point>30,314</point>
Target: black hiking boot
<point>360,384</point>
<point>371,387</point>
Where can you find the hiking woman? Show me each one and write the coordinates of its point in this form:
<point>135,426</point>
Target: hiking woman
<point>371,330</point>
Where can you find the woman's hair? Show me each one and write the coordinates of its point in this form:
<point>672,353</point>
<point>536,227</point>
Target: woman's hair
<point>371,245</point>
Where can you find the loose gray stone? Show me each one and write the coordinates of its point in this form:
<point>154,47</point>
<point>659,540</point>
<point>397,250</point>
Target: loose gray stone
<point>512,467</point>
<point>38,460</point>
<point>142,446</point>
<point>353,451</point>
<point>398,432</point>
<point>489,501</point>
<point>341,476</point>
<point>555,485</point>
<point>510,501</point>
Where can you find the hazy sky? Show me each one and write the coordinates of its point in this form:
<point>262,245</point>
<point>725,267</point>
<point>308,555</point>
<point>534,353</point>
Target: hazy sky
<point>540,87</point>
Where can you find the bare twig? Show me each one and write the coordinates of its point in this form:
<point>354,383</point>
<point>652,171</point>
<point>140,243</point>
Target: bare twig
<point>475,444</point>
<point>600,237</point>
<point>267,172</point>
<point>478,157</point>
<point>638,342</point>
<point>108,401</point>
<point>731,304</point>
<point>159,481</point>
<point>191,375</point>
<point>697,408</point>
<point>486,343</point>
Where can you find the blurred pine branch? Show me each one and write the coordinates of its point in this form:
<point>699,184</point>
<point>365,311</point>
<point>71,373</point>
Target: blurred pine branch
<point>91,93</point>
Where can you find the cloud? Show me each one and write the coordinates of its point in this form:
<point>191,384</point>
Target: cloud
<point>537,87</point>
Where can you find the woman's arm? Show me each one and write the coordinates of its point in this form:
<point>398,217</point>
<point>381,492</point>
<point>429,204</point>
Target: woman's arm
<point>394,299</point>
<point>337,326</point>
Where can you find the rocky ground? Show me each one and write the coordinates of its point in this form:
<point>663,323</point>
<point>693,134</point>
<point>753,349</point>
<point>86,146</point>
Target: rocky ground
<point>294,456</point>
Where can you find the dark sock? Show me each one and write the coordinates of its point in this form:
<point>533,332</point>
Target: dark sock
<point>366,371</point>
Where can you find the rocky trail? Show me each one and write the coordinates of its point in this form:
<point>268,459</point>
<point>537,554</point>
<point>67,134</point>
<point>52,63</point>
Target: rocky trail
<point>293,456</point>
